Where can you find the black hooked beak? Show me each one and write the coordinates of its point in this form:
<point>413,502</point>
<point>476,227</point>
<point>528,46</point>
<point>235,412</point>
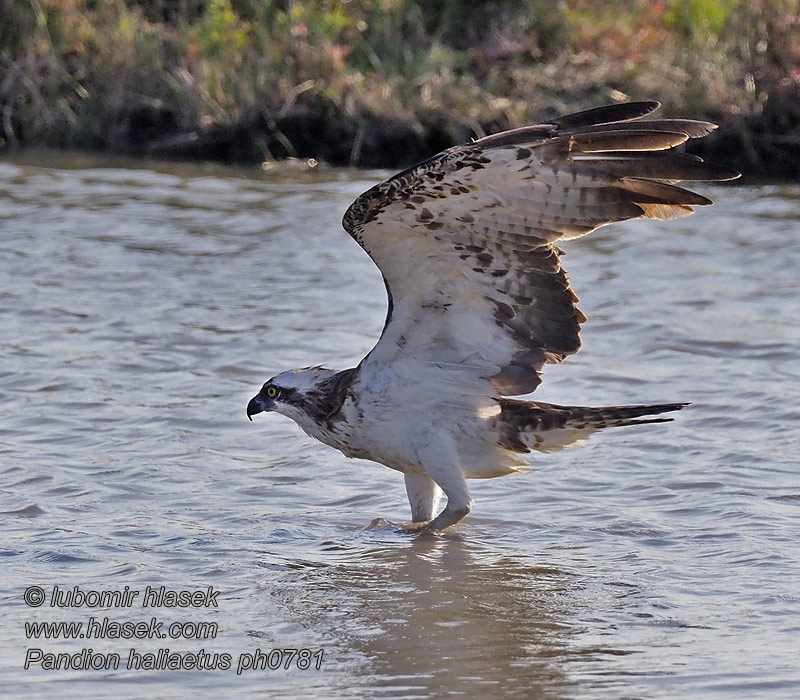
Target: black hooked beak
<point>258,405</point>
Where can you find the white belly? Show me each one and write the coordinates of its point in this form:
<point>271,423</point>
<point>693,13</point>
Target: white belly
<point>383,433</point>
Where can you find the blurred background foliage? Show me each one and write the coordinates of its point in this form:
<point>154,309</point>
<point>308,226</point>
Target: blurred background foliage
<point>385,82</point>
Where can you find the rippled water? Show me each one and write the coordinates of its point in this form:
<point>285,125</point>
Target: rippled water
<point>141,308</point>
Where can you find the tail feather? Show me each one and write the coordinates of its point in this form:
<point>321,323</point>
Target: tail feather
<point>527,425</point>
<point>608,416</point>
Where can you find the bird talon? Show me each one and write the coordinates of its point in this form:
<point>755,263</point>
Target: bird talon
<point>379,523</point>
<point>382,523</point>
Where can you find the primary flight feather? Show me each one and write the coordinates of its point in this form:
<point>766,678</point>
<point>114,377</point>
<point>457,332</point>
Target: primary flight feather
<point>479,302</point>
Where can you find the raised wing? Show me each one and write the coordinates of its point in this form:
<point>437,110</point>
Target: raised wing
<point>466,240</point>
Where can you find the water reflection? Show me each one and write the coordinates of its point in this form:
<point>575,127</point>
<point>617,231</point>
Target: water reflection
<point>436,613</point>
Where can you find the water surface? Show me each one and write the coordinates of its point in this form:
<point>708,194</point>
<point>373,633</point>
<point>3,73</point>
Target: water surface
<point>141,307</point>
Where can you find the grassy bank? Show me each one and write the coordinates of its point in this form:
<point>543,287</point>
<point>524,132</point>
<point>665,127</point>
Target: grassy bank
<point>387,82</point>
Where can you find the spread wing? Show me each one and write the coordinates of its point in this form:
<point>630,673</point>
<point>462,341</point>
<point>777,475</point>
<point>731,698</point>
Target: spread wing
<point>466,241</point>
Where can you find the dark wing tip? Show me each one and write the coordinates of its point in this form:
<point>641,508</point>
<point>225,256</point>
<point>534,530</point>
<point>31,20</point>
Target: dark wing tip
<point>626,111</point>
<point>723,174</point>
<point>608,114</point>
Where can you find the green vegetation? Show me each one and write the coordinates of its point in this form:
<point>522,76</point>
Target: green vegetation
<point>384,82</point>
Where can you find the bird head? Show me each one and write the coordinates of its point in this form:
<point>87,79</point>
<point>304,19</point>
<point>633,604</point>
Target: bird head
<point>290,393</point>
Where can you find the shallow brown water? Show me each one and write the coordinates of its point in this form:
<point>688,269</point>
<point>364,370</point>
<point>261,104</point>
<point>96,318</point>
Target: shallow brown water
<point>141,307</point>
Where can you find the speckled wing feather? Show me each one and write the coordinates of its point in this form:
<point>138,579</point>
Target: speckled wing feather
<point>466,240</point>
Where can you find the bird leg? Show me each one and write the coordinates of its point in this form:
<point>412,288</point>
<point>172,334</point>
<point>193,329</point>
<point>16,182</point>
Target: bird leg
<point>454,511</point>
<point>440,461</point>
<point>423,496</point>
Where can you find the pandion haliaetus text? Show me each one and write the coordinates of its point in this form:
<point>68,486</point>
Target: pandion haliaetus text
<point>479,302</point>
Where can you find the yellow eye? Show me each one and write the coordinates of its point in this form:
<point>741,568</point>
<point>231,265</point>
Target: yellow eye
<point>272,392</point>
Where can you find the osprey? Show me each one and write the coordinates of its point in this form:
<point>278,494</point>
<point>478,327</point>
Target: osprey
<point>479,302</point>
